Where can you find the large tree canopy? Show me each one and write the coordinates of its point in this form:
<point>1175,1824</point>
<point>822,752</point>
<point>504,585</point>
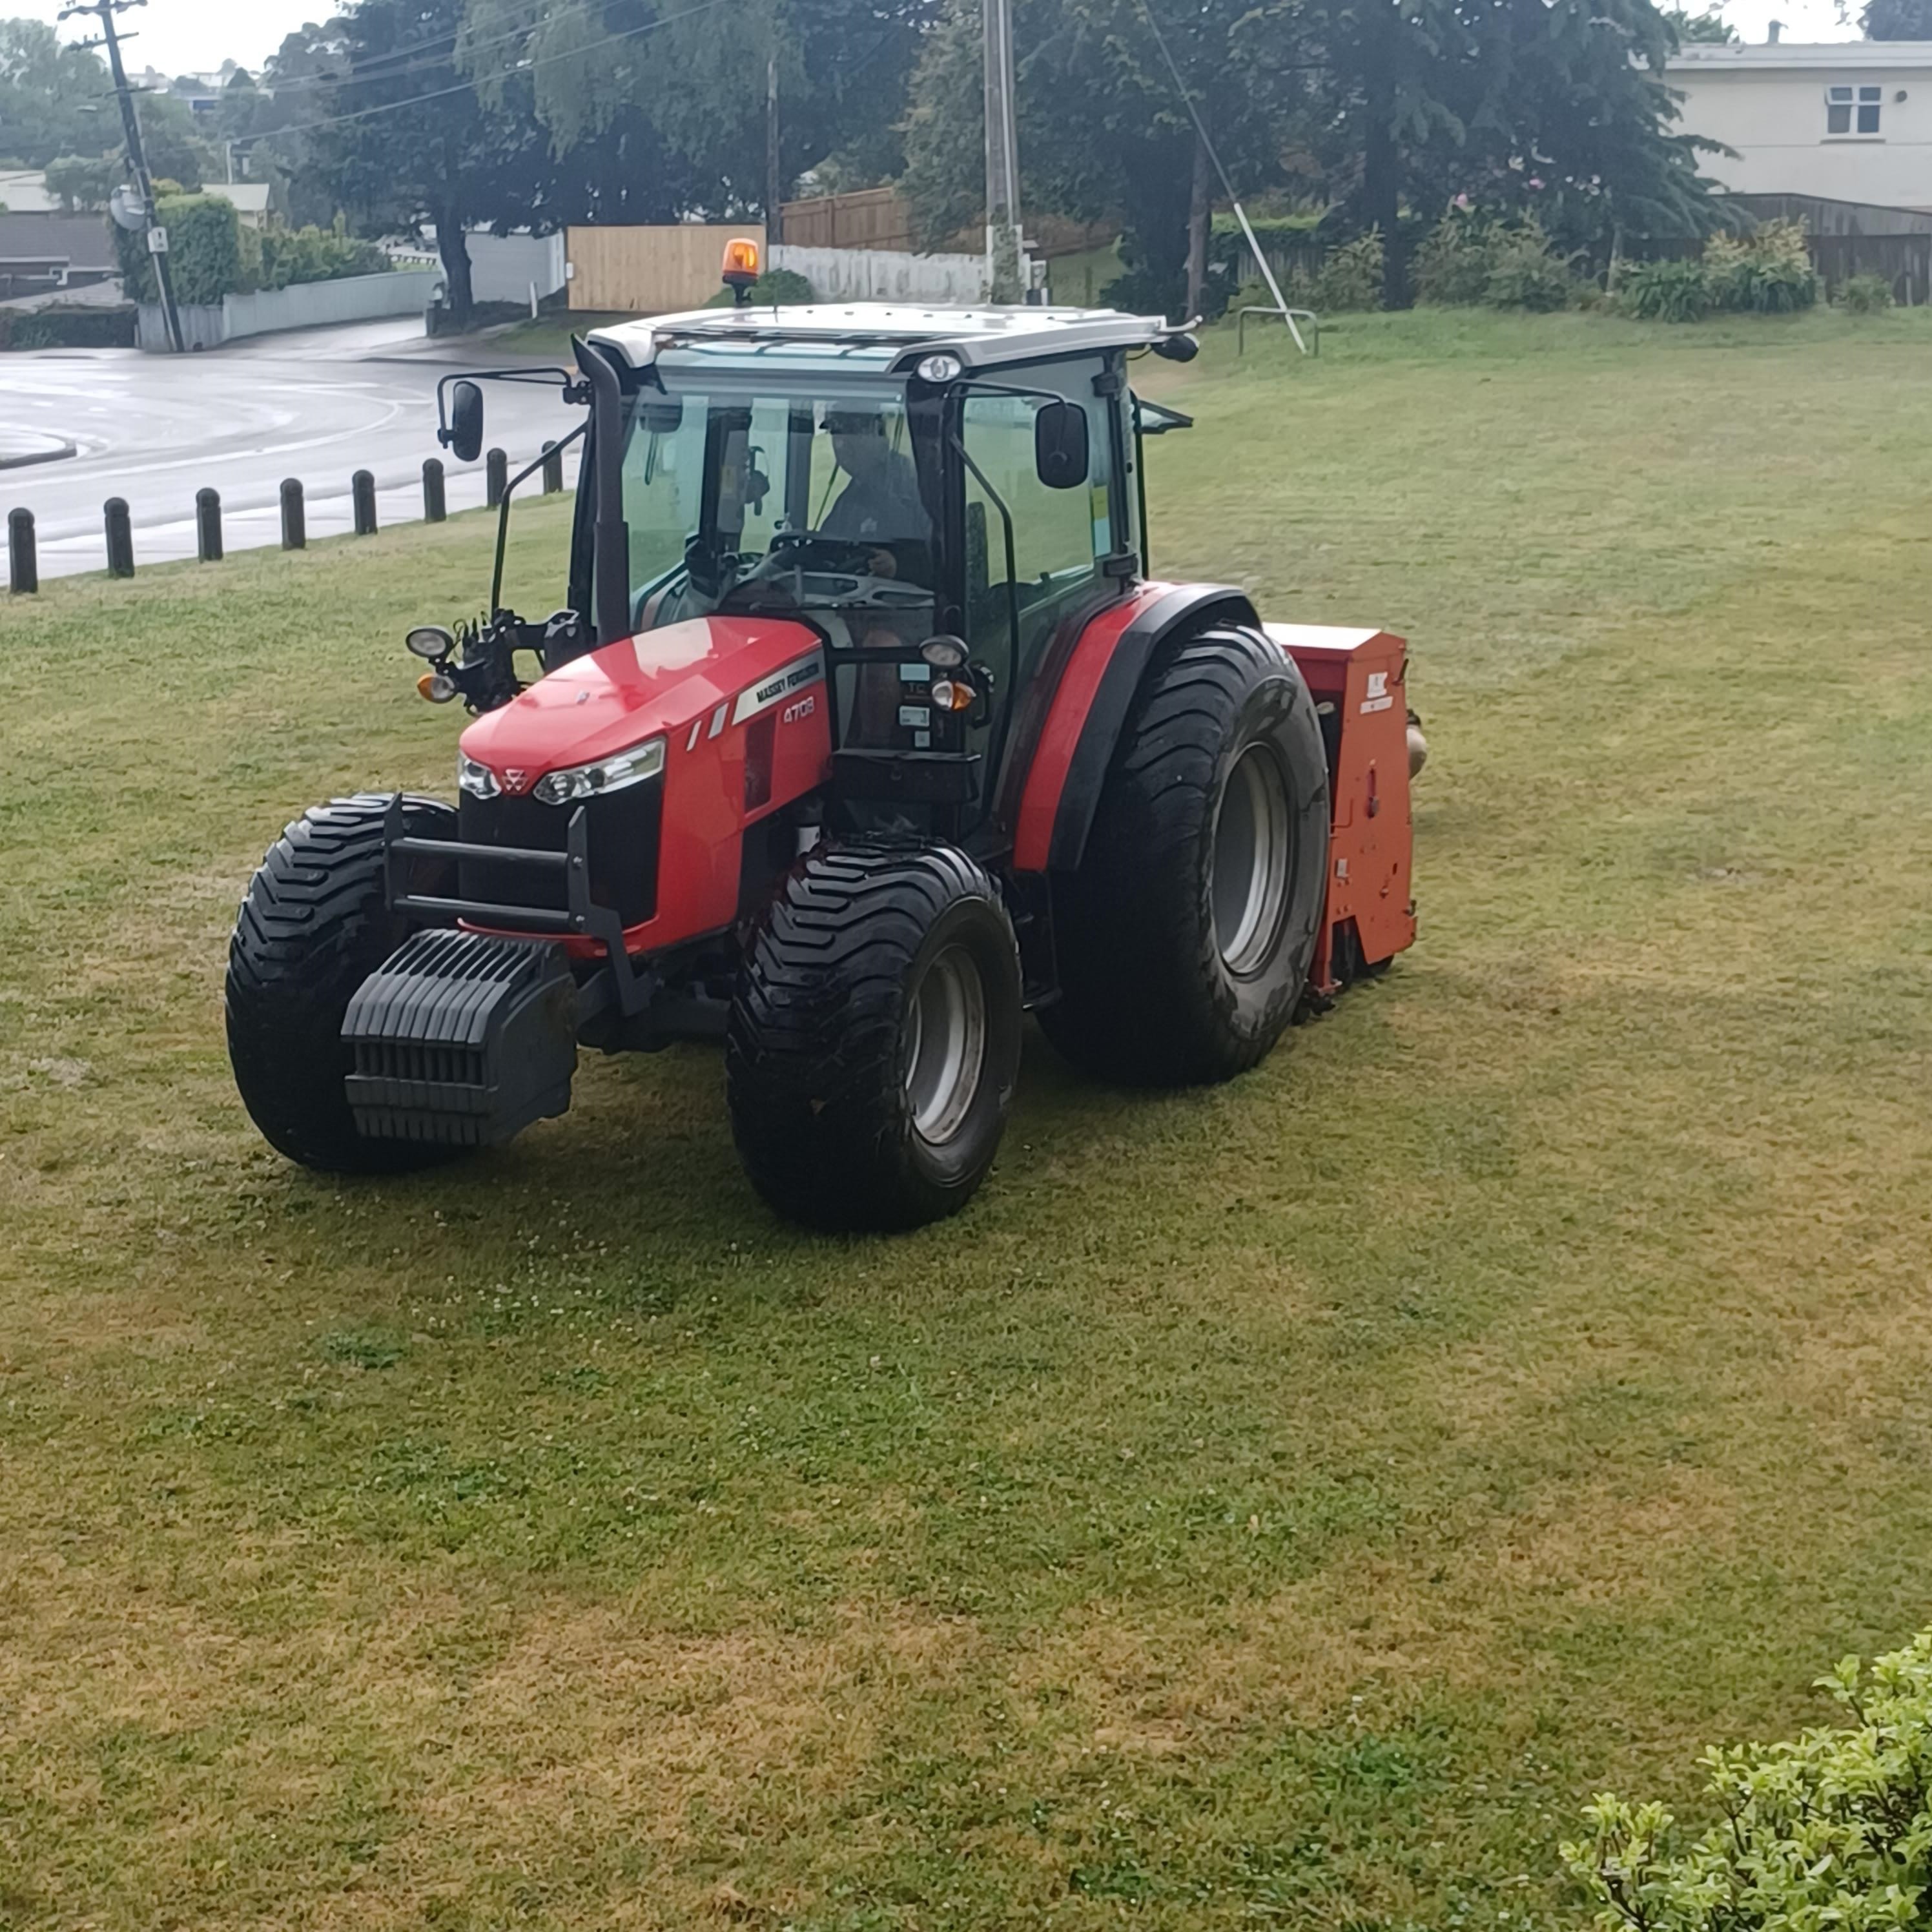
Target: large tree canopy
<point>54,99</point>
<point>1897,20</point>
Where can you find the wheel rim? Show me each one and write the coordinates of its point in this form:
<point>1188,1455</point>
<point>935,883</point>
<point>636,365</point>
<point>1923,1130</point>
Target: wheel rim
<point>945,1049</point>
<point>1251,862</point>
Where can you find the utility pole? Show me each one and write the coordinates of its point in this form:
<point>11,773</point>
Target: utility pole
<point>1003,243</point>
<point>774,182</point>
<point>104,10</point>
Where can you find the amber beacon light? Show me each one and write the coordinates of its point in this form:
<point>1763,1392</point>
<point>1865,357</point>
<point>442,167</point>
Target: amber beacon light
<point>741,267</point>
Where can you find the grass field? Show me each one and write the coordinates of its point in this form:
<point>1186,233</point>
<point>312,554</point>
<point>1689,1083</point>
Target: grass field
<point>1281,1505</point>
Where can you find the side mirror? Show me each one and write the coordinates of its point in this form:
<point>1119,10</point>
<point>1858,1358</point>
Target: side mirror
<point>463,438</point>
<point>1060,451</point>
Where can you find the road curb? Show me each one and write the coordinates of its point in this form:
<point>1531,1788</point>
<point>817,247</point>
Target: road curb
<point>52,451</point>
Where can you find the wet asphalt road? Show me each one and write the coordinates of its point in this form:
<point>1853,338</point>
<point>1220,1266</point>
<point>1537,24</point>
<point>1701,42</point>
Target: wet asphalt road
<point>319,405</point>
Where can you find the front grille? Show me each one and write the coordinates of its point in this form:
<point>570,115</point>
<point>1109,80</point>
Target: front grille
<point>625,830</point>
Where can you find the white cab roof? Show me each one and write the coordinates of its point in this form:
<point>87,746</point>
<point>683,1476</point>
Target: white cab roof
<point>981,338</point>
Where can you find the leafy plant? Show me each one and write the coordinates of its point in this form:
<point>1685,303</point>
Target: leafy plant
<point>1350,276</point>
<point>776,287</point>
<point>204,251</point>
<point>1668,291</point>
<point>1865,294</point>
<point>1471,257</point>
<point>284,257</point>
<point>1767,272</point>
<point>1831,1832</point>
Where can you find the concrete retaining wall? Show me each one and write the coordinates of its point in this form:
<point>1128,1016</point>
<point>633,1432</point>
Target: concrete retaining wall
<point>886,275</point>
<point>309,305</point>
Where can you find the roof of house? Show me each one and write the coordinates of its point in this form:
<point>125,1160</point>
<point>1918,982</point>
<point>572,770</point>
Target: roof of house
<point>81,241</point>
<point>251,197</point>
<point>1869,56</point>
<point>881,333</point>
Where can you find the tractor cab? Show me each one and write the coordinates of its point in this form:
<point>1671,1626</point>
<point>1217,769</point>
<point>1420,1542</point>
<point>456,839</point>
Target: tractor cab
<point>864,731</point>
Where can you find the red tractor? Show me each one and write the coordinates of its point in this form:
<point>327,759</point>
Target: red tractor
<point>866,729</point>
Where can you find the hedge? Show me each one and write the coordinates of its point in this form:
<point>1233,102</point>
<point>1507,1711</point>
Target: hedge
<point>59,327</point>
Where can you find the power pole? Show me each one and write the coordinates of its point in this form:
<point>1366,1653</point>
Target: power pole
<point>1004,246</point>
<point>104,10</point>
<point>774,182</point>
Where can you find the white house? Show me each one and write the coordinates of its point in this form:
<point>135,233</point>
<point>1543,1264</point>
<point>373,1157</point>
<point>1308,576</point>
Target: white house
<point>1847,121</point>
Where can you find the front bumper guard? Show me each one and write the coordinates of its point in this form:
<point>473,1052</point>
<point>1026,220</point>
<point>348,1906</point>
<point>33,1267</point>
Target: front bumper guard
<point>617,986</point>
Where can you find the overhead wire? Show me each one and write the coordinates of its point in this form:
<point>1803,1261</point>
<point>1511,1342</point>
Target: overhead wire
<point>526,66</point>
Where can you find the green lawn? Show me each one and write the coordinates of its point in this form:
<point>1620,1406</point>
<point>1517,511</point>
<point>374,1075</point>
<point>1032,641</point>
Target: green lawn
<point>1281,1505</point>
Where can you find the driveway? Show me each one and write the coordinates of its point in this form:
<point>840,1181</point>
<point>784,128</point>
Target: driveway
<point>319,405</point>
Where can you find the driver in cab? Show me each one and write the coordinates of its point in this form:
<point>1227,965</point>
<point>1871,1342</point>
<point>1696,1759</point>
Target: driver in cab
<point>880,505</point>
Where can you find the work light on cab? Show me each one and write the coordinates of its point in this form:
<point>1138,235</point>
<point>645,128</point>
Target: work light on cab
<point>741,267</point>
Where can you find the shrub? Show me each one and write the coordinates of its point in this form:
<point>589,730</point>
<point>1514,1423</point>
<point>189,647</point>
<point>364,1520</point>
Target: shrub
<point>284,257</point>
<point>775,287</point>
<point>1350,276</point>
<point>1830,1833</point>
<point>1664,291</point>
<point>1865,294</point>
<point>1471,257</point>
<point>1767,272</point>
<point>63,328</point>
<point>204,251</point>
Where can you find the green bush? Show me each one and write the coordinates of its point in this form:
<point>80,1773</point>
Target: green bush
<point>1865,294</point>
<point>1471,257</point>
<point>284,257</point>
<point>776,287</point>
<point>204,251</point>
<point>59,327</point>
<point>1830,1833</point>
<point>1349,278</point>
<point>1674,291</point>
<point>1767,272</point>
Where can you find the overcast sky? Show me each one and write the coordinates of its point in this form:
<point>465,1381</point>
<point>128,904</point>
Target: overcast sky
<point>191,36</point>
<point>194,36</point>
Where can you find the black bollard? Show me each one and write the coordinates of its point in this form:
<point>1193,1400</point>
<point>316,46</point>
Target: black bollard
<point>23,554</point>
<point>436,498</point>
<point>362,486</point>
<point>208,525</point>
<point>295,516</point>
<point>120,538</point>
<point>552,469</point>
<point>499,476</point>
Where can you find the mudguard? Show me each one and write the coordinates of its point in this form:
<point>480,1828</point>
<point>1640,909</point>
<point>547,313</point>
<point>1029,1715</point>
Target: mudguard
<point>1081,725</point>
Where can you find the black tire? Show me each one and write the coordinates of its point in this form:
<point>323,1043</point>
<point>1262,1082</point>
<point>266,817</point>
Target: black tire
<point>847,1114</point>
<point>1157,990</point>
<point>313,928</point>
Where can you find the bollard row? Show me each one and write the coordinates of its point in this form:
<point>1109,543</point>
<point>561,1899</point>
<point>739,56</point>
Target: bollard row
<point>23,570</point>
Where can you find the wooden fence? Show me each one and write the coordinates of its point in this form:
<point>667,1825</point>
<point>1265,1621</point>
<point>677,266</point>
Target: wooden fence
<point>874,217</point>
<point>649,271</point>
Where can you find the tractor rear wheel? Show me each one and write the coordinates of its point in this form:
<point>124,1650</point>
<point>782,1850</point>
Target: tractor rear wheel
<point>874,1041</point>
<point>1185,938</point>
<point>315,925</point>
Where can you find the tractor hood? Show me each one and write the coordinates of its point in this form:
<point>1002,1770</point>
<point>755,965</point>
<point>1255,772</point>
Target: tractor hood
<point>683,683</point>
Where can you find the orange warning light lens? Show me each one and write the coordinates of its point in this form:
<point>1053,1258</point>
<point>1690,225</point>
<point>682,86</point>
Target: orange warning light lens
<point>952,694</point>
<point>741,261</point>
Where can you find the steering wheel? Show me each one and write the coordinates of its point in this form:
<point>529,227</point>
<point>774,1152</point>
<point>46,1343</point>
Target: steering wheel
<point>795,550</point>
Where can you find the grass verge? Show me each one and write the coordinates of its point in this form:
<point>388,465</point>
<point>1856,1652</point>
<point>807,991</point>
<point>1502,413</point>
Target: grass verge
<point>1284,1502</point>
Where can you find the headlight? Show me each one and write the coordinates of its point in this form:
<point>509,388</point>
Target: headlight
<point>478,781</point>
<point>628,768</point>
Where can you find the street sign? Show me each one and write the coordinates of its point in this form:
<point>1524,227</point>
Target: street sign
<point>157,241</point>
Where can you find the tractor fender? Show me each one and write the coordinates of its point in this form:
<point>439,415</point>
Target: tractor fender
<point>1089,707</point>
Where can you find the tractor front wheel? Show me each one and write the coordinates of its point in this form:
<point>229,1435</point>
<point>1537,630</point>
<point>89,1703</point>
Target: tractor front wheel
<point>1185,938</point>
<point>874,1041</point>
<point>315,925</point>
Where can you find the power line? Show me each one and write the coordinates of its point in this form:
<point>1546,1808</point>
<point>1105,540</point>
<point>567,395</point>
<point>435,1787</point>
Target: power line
<point>526,66</point>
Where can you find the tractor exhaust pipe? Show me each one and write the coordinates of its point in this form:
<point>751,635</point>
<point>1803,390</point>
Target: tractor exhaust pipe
<point>613,585</point>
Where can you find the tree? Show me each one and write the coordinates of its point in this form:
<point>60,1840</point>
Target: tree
<point>405,141</point>
<point>1709,29</point>
<point>1104,132</point>
<point>1897,20</point>
<point>688,88</point>
<point>52,96</point>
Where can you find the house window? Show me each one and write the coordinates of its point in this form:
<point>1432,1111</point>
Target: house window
<point>1852,110</point>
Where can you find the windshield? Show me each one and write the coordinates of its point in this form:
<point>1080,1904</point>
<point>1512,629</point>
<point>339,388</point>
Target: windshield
<point>746,499</point>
